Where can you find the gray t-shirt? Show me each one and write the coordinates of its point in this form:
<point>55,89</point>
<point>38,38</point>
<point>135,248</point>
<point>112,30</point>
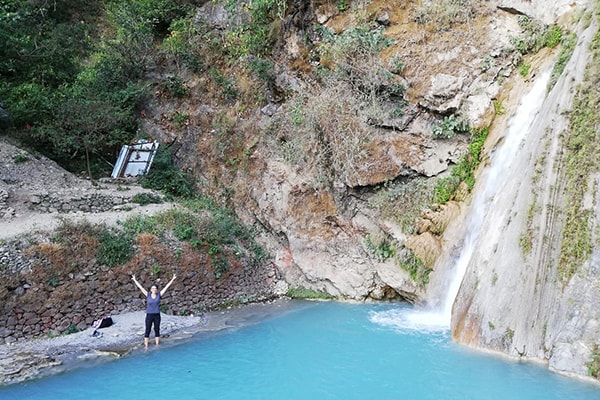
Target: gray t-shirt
<point>153,304</point>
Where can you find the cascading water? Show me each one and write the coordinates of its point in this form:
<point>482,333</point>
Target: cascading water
<point>492,181</point>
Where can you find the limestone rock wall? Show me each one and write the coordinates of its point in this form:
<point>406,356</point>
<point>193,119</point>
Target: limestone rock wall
<point>546,11</point>
<point>513,298</point>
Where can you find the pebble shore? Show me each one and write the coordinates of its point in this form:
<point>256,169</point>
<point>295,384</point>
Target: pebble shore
<point>26,360</point>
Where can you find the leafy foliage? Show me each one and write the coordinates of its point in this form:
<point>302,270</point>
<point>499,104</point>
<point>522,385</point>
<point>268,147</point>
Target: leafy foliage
<point>463,171</point>
<point>206,226</point>
<point>146,198</point>
<point>167,177</point>
<point>263,68</point>
<point>594,364</point>
<point>70,89</point>
<point>414,266</point>
<point>115,247</point>
<point>380,247</point>
<point>301,292</point>
<point>71,329</point>
<point>39,41</point>
<point>449,127</point>
<point>536,36</point>
<point>182,44</point>
<point>256,36</point>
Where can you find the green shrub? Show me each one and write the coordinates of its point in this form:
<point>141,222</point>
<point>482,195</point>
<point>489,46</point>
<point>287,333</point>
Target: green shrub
<point>593,365</point>
<point>71,329</point>
<point>301,292</point>
<point>40,44</point>
<point>449,127</point>
<point>524,69</point>
<point>418,272</point>
<point>180,119</point>
<point>203,224</point>
<point>380,247</point>
<point>175,87</point>
<point>553,36</point>
<point>533,37</point>
<point>185,227</point>
<point>28,104</point>
<point>463,171</point>
<point>21,157</point>
<point>296,110</point>
<point>182,45</point>
<point>445,189</point>
<point>116,247</point>
<point>509,334</point>
<point>228,85</point>
<point>264,69</point>
<point>256,37</point>
<point>136,224</point>
<point>158,15</point>
<point>499,107</point>
<point>146,198</point>
<point>166,177</point>
<point>536,36</point>
<point>54,281</point>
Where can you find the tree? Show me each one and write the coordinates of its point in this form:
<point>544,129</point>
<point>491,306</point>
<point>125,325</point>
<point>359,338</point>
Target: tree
<point>90,121</point>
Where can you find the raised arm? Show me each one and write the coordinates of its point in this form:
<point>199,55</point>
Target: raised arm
<point>162,292</point>
<point>139,286</point>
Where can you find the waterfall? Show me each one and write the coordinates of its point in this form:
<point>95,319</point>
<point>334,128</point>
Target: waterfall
<point>491,181</point>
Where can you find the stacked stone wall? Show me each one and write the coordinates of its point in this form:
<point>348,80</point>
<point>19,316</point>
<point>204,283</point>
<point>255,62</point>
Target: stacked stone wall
<point>90,202</point>
<point>34,308</point>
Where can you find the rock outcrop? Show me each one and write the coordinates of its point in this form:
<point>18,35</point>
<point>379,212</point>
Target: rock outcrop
<point>316,219</point>
<point>516,297</point>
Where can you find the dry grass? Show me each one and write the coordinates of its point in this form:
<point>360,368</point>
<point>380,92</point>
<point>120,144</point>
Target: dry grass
<point>326,130</point>
<point>441,15</point>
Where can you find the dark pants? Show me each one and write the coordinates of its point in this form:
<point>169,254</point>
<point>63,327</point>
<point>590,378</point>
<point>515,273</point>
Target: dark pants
<point>152,319</point>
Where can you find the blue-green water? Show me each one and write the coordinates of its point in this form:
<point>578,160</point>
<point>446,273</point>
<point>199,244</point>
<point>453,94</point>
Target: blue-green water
<point>313,351</point>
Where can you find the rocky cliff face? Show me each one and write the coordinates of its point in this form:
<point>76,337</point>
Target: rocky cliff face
<point>319,216</point>
<point>318,221</point>
<point>522,294</point>
<point>327,174</point>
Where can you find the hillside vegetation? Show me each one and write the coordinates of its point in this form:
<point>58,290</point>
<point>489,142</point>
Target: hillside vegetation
<point>333,98</point>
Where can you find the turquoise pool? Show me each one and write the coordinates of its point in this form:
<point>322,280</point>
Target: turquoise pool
<point>312,351</point>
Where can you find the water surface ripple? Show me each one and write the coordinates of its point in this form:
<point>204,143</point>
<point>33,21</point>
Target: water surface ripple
<point>315,351</point>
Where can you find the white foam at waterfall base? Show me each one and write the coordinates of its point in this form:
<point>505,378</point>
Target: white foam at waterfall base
<point>493,179</point>
<point>408,319</point>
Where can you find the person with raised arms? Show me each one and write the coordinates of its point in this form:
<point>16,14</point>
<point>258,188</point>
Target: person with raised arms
<point>152,308</point>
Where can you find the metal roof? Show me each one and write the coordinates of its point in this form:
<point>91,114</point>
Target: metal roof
<point>135,159</point>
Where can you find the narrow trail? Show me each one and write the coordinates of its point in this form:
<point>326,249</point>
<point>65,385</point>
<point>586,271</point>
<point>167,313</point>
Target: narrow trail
<point>25,176</point>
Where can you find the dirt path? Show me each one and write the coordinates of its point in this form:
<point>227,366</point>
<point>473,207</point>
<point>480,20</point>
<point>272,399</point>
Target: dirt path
<point>25,177</point>
<point>31,221</point>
